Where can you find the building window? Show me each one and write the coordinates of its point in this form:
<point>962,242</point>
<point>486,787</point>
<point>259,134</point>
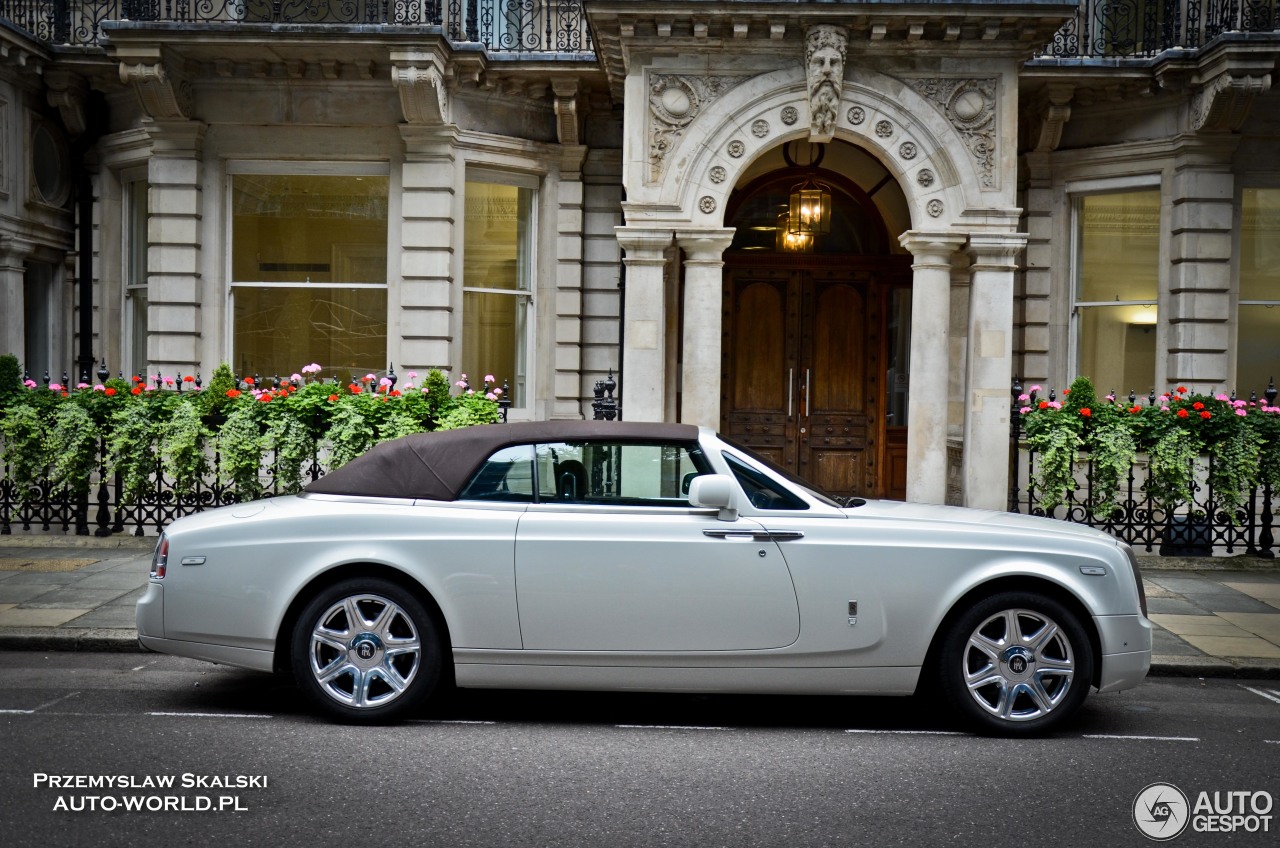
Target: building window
<point>1117,262</point>
<point>309,272</point>
<point>136,210</point>
<point>1258,333</point>
<point>497,276</point>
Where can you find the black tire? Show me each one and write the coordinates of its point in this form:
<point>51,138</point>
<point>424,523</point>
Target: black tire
<point>366,651</point>
<point>1016,664</point>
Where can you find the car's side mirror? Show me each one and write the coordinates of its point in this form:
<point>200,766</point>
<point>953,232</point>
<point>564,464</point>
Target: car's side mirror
<point>714,491</point>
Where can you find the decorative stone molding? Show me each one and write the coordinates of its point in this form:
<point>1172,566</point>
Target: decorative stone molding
<point>675,100</point>
<point>568,125</point>
<point>970,107</point>
<point>856,115</point>
<point>419,78</point>
<point>925,178</point>
<point>66,92</point>
<point>824,55</point>
<point>790,115</point>
<point>760,128</point>
<point>718,174</point>
<point>1222,103</point>
<point>165,95</point>
<point>1057,111</point>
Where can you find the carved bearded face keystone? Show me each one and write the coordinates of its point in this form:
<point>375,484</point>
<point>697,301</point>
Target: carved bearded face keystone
<point>824,68</point>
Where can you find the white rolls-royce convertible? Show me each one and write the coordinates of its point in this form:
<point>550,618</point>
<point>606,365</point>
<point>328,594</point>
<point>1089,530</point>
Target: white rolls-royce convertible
<point>629,556</point>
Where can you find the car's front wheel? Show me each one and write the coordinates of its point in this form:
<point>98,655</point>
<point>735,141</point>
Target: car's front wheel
<point>366,651</point>
<point>1016,664</point>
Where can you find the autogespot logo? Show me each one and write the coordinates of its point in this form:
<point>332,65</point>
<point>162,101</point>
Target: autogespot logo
<point>1160,811</point>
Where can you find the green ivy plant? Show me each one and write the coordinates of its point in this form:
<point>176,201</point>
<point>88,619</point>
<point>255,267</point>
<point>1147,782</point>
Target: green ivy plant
<point>182,448</point>
<point>72,444</point>
<point>131,449</point>
<point>240,446</point>
<point>25,450</point>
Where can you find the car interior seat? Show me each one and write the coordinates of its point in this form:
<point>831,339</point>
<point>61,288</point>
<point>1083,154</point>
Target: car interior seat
<point>571,480</point>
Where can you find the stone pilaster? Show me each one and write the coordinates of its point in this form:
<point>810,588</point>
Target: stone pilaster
<point>1034,319</point>
<point>569,226</point>
<point>601,269</point>
<point>13,255</point>
<point>990,367</point>
<point>703,308</point>
<point>644,389</point>
<point>174,281</point>
<point>1200,229</point>
<point>429,177</point>
<point>926,403</point>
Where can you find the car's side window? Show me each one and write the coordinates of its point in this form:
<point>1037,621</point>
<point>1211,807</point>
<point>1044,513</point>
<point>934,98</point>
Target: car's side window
<point>505,476</point>
<point>760,490</point>
<point>618,473</point>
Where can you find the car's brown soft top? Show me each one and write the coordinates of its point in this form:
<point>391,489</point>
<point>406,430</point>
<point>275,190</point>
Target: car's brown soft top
<point>436,466</point>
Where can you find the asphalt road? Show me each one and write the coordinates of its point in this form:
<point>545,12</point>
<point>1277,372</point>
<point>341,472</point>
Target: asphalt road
<point>552,769</point>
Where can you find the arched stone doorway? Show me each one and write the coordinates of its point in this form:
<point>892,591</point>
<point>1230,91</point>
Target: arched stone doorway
<point>816,335</point>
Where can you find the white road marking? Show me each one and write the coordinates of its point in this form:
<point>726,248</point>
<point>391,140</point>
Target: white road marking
<point>667,727</point>
<point>912,732</point>
<point>1272,741</point>
<point>446,721</point>
<point>17,712</point>
<point>1267,694</point>
<point>57,700</point>
<point>1143,738</point>
<point>212,715</point>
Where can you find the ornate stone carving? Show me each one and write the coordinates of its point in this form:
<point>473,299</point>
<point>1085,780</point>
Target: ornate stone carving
<point>1057,111</point>
<point>163,94</point>
<point>907,150</point>
<point>707,204</point>
<point>857,115</point>
<point>67,92</point>
<point>760,128</point>
<point>737,149</point>
<point>934,207</point>
<point>790,115</point>
<point>970,107</point>
<point>674,101</point>
<point>925,177</point>
<point>566,104</point>
<point>423,97</point>
<point>718,174</point>
<point>824,52</point>
<point>1222,104</point>
<point>884,129</point>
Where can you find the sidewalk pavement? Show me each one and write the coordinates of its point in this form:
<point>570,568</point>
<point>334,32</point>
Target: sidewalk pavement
<point>1215,617</point>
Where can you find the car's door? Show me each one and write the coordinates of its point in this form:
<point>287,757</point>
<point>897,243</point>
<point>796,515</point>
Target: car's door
<point>613,558</point>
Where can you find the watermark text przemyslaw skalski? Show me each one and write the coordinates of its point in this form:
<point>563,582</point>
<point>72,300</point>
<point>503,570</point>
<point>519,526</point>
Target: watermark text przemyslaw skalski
<point>1162,811</point>
<point>149,793</point>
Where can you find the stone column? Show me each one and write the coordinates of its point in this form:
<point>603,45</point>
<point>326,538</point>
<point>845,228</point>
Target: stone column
<point>13,337</point>
<point>569,228</point>
<point>1200,227</point>
<point>701,369</point>
<point>428,207</point>
<point>644,388</point>
<point>927,401</point>
<point>174,237</point>
<point>990,368</point>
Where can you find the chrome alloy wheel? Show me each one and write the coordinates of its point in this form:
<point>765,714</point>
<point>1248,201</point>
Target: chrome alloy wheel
<point>1018,665</point>
<point>365,651</point>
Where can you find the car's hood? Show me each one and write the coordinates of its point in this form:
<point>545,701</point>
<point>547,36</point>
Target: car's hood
<point>964,516</point>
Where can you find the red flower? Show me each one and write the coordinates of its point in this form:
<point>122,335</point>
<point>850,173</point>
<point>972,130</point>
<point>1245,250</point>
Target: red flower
<point>109,392</point>
<point>64,394</point>
<point>1086,411</point>
<point>1182,390</point>
<point>1066,392</point>
<point>395,393</point>
<point>1135,409</point>
<point>136,390</point>
<point>188,379</point>
<point>1182,413</point>
<point>1197,405</point>
<point>1044,404</point>
<point>1206,414</point>
<point>233,393</point>
<point>265,397</point>
<point>248,381</point>
<point>136,378</point>
<point>355,390</point>
<point>333,398</point>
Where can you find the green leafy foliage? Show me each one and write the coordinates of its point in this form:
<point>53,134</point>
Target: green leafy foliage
<point>25,451</point>
<point>72,444</point>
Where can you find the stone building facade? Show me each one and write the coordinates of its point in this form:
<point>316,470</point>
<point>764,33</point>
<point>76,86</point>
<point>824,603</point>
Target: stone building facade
<point>550,192</point>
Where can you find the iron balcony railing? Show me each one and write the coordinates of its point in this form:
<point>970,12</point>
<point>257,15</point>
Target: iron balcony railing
<point>1136,29</point>
<point>517,26</point>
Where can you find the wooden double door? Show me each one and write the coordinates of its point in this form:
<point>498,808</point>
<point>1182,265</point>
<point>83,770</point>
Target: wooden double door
<point>805,379</point>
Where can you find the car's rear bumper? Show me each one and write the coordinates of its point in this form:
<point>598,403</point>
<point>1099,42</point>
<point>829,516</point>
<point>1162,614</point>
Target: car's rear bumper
<point>150,611</point>
<point>1126,651</point>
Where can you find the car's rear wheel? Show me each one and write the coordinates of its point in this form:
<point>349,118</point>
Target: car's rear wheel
<point>1016,664</point>
<point>366,651</point>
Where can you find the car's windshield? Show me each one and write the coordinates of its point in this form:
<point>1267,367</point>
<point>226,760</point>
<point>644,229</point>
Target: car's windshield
<point>804,485</point>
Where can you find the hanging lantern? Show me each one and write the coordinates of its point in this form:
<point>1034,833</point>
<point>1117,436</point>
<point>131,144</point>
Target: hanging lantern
<point>810,209</point>
<point>789,242</point>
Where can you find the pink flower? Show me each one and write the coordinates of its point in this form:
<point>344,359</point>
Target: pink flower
<point>1110,397</point>
<point>1055,404</point>
<point>1241,412</point>
<point>1164,409</point>
<point>1163,398</point>
<point>1035,389</point>
<point>168,381</point>
<point>384,382</point>
<point>99,388</point>
<point>30,384</point>
<point>1024,410</point>
<point>55,387</point>
<point>497,391</point>
<point>413,375</point>
<point>82,385</point>
<point>1024,397</point>
<point>462,384</point>
<point>369,377</point>
<point>408,386</point>
<point>1221,397</point>
<point>1239,403</point>
<point>297,378</point>
<point>490,396</point>
<point>488,378</point>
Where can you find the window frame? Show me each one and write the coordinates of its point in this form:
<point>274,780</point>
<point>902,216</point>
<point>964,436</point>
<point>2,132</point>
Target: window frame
<point>1237,248</point>
<point>134,268</point>
<point>305,168</point>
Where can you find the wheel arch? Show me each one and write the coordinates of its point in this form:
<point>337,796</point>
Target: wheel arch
<point>1013,583</point>
<point>332,576</point>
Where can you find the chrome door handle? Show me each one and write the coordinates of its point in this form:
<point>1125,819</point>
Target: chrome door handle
<point>756,535</point>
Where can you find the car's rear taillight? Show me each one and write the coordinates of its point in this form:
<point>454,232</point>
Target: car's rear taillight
<point>160,559</point>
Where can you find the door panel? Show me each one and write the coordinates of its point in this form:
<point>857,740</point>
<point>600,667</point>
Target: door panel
<point>637,580</point>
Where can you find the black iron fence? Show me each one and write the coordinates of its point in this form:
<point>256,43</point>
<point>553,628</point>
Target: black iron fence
<point>500,25</point>
<point>1144,28</point>
<point>1197,528</point>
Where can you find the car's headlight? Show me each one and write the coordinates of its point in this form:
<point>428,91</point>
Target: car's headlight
<point>1137,575</point>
